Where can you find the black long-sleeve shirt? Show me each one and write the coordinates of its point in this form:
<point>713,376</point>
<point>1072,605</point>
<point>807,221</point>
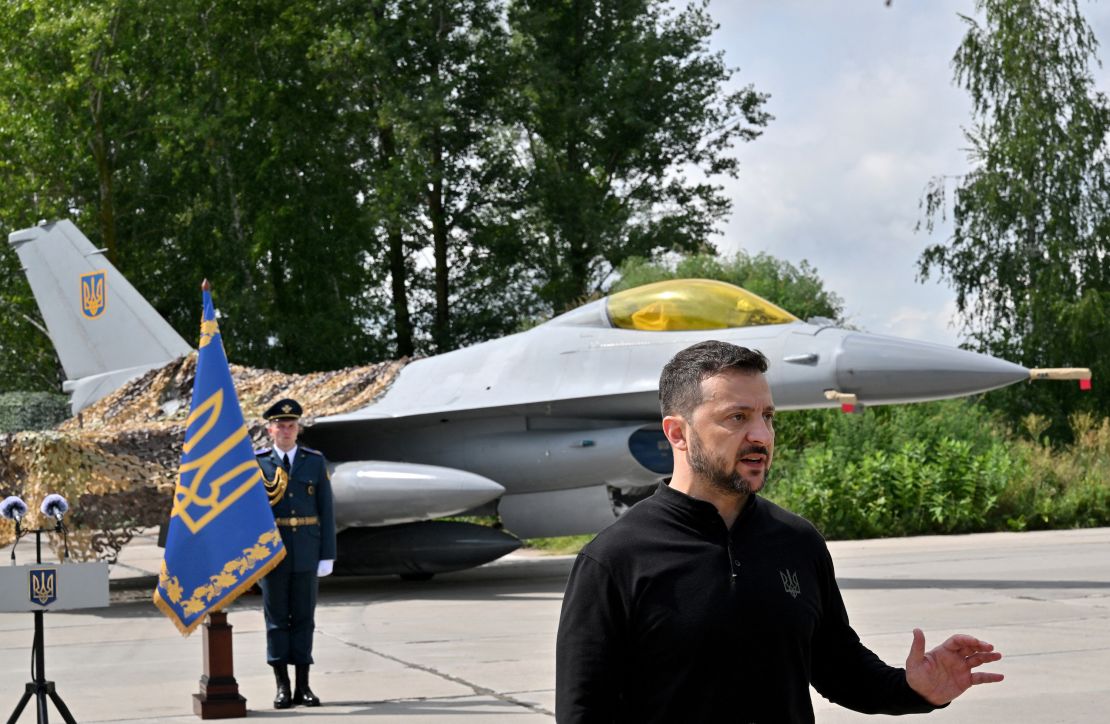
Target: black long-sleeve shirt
<point>671,617</point>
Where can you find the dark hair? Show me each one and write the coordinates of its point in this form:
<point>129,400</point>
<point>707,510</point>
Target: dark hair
<point>680,383</point>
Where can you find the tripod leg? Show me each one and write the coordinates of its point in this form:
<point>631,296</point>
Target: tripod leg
<point>19,708</point>
<point>44,714</point>
<point>61,706</point>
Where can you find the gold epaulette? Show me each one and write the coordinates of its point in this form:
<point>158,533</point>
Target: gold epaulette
<point>275,488</point>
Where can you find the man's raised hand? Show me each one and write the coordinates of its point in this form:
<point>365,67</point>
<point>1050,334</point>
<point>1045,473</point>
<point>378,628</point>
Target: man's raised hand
<point>944,673</point>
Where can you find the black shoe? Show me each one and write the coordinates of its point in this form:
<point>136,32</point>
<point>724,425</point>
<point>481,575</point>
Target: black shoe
<point>282,699</point>
<point>302,694</point>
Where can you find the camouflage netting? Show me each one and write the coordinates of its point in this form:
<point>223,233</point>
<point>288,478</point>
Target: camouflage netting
<point>116,462</point>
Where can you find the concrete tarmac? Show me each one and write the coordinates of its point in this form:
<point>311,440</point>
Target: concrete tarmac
<point>478,646</point>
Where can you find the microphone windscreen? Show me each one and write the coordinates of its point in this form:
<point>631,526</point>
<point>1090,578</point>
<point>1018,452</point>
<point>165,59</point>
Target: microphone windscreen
<point>54,504</point>
<point>13,508</point>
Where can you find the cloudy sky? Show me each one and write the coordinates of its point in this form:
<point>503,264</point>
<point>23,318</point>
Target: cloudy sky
<point>865,114</point>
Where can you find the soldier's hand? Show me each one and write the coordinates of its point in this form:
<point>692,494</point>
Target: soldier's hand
<point>323,568</point>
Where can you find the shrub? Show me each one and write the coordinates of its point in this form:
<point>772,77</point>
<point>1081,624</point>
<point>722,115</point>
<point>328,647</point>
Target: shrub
<point>905,470</point>
<point>943,467</point>
<point>1064,487</point>
<point>31,410</point>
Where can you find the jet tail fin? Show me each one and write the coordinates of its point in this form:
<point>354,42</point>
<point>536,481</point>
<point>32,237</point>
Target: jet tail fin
<point>103,330</point>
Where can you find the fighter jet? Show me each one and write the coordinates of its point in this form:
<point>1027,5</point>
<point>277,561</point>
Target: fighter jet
<point>557,428</point>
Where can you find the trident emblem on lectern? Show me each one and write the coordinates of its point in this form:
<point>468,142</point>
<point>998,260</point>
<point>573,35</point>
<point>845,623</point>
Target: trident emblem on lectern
<point>44,586</point>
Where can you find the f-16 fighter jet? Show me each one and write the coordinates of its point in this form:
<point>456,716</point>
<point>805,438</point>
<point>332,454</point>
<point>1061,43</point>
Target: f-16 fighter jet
<point>557,426</point>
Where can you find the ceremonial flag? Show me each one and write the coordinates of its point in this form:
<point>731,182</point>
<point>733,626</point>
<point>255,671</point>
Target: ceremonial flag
<point>222,537</point>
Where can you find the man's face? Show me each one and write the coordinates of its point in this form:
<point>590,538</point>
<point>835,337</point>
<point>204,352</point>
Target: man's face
<point>731,435</point>
<point>284,433</point>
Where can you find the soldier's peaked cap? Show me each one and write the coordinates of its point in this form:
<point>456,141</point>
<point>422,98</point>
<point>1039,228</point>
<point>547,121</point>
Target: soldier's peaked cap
<point>286,409</point>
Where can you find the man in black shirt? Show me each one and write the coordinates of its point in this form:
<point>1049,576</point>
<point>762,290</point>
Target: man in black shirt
<point>706,603</point>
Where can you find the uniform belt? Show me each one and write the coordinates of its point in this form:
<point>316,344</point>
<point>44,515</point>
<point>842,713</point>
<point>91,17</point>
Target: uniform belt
<point>294,522</point>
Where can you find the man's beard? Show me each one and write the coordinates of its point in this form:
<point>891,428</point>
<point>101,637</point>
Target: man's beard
<point>721,474</point>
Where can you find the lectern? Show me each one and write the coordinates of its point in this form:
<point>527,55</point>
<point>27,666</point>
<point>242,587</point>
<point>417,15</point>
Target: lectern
<point>47,587</point>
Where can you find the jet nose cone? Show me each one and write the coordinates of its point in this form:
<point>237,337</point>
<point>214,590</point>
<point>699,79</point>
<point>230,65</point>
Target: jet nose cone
<point>881,369</point>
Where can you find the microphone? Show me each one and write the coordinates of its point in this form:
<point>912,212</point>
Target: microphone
<point>54,506</point>
<point>13,508</point>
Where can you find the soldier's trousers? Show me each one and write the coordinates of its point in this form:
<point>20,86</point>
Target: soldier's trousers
<point>289,604</point>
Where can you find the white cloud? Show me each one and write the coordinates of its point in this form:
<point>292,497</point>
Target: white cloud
<point>866,114</point>
<point>935,324</point>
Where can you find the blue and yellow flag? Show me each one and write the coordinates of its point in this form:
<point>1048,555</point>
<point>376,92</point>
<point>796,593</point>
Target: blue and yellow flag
<point>222,537</point>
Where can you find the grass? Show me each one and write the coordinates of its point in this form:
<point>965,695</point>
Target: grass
<point>562,545</point>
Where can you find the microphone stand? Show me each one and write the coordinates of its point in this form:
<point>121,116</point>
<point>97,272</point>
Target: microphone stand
<point>18,535</point>
<point>40,688</point>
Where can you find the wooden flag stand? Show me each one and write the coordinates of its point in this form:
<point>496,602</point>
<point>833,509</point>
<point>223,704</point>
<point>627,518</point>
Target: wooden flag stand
<point>219,691</point>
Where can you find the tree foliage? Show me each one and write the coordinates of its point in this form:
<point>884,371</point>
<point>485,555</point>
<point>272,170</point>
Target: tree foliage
<point>423,86</point>
<point>1029,254</point>
<point>57,84</point>
<point>358,179</point>
<point>618,100</point>
<point>254,187</point>
<point>189,140</point>
<point>31,410</point>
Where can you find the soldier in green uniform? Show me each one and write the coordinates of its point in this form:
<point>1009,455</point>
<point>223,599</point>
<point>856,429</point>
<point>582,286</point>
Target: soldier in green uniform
<point>300,495</point>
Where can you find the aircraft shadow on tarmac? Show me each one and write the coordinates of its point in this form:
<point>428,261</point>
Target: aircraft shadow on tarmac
<point>366,591</point>
<point>540,578</point>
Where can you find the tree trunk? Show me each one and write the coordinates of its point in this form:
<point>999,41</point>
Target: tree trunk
<point>107,212</point>
<point>441,327</point>
<point>99,147</point>
<point>438,215</point>
<point>402,323</point>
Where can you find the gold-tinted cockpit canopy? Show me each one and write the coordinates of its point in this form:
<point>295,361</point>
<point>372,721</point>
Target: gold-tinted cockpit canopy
<point>687,304</point>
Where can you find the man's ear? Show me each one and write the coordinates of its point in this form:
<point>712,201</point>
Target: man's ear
<point>674,427</point>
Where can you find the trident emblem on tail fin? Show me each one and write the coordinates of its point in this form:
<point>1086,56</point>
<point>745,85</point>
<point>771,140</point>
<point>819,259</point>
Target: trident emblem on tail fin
<point>94,293</point>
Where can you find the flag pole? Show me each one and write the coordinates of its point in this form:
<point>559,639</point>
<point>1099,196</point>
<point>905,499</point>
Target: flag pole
<point>221,538</point>
<point>219,696</point>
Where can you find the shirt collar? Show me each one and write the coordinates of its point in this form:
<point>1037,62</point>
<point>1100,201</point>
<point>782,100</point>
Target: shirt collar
<point>702,511</point>
<point>291,453</point>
